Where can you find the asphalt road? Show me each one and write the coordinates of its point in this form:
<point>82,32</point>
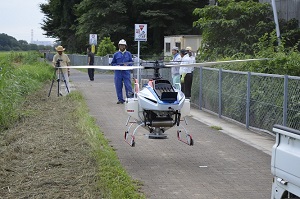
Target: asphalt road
<point>218,166</point>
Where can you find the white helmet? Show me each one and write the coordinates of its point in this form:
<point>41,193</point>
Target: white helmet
<point>122,41</point>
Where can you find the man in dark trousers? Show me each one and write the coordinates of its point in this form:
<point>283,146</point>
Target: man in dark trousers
<point>91,58</point>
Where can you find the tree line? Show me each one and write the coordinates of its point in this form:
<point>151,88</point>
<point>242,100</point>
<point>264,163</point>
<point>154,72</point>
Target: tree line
<point>72,21</point>
<point>228,27</point>
<point>235,28</point>
<point>9,43</point>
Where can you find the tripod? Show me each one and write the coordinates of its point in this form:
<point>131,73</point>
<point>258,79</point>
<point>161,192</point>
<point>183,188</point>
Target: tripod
<point>59,73</point>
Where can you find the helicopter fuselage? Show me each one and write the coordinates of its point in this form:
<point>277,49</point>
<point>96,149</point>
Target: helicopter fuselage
<point>158,105</point>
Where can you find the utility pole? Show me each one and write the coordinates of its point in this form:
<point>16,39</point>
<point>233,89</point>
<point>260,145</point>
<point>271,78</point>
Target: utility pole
<point>276,21</point>
<point>31,36</point>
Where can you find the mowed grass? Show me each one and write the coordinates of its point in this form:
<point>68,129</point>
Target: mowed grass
<point>114,180</point>
<point>23,73</point>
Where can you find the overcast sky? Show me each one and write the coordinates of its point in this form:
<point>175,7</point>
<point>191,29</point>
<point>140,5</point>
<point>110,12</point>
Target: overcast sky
<point>18,18</point>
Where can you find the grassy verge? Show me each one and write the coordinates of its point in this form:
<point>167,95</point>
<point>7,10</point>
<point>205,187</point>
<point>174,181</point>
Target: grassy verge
<point>21,75</point>
<point>113,179</point>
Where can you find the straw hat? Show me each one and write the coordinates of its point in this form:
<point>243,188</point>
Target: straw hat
<point>188,48</point>
<point>59,48</point>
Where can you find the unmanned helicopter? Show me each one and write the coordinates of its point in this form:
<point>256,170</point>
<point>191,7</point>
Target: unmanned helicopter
<point>158,105</point>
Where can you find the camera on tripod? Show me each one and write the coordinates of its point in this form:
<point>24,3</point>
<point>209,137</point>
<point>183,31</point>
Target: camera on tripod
<point>57,64</point>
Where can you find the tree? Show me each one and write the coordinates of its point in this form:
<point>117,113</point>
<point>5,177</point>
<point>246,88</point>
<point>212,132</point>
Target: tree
<point>116,19</point>
<point>290,31</point>
<point>72,21</point>
<point>168,18</point>
<point>105,18</point>
<point>105,47</point>
<point>61,22</point>
<point>33,47</point>
<point>8,41</point>
<point>233,27</point>
<point>23,45</point>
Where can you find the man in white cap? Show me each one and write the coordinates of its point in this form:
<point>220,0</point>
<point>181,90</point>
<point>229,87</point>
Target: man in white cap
<point>61,59</point>
<point>175,70</point>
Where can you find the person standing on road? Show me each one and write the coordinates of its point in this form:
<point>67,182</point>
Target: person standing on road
<point>175,70</point>
<point>122,58</point>
<point>91,58</point>
<point>63,73</point>
<point>186,73</point>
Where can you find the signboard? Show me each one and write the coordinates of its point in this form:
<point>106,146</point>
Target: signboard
<point>140,32</point>
<point>93,39</point>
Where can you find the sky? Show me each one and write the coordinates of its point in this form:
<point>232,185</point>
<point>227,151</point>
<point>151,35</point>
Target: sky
<point>19,17</point>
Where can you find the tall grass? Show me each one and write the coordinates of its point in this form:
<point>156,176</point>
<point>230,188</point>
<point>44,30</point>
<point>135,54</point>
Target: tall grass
<point>21,73</point>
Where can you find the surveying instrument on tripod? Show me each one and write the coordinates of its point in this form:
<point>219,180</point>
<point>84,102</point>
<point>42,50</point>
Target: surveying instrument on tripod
<point>58,74</point>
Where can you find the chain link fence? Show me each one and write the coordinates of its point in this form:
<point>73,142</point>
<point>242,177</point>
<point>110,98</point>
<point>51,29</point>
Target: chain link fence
<point>253,99</point>
<point>77,60</point>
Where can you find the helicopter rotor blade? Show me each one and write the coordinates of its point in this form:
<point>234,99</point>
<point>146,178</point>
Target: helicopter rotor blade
<point>105,67</point>
<point>151,64</point>
<point>215,63</point>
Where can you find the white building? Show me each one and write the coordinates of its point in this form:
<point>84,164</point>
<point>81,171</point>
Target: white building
<point>44,43</point>
<point>181,41</point>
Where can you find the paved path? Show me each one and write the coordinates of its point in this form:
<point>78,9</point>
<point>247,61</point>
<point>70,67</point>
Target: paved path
<point>232,163</point>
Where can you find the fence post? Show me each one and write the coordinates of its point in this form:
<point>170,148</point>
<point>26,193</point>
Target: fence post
<point>220,92</point>
<point>248,100</point>
<point>285,99</point>
<point>200,87</point>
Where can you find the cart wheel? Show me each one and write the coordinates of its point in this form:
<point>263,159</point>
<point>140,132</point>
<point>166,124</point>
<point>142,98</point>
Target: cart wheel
<point>190,140</point>
<point>178,135</point>
<point>132,143</point>
<point>126,135</point>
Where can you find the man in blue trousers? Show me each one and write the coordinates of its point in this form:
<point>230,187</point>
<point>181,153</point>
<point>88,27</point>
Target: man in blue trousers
<point>122,58</point>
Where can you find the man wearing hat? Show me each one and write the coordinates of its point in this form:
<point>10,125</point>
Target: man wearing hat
<point>186,73</point>
<point>190,52</point>
<point>63,73</point>
<point>175,70</point>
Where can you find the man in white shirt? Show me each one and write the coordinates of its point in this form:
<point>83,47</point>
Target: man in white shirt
<point>175,70</point>
<point>186,73</point>
<point>191,54</point>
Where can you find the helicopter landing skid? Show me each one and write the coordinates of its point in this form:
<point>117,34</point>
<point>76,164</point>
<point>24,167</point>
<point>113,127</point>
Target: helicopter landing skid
<point>189,140</point>
<point>157,133</point>
<point>131,142</point>
<point>130,139</point>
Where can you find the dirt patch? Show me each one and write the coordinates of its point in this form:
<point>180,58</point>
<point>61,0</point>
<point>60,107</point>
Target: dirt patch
<point>45,155</point>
